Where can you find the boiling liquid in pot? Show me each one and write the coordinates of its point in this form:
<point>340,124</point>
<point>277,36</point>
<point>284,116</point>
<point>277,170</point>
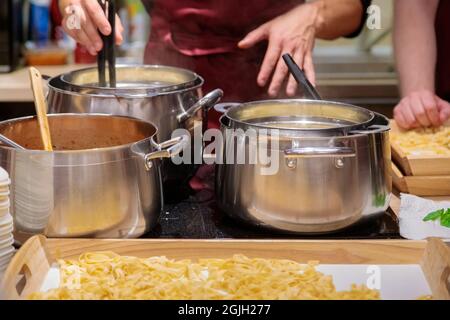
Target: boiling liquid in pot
<point>133,85</point>
<point>300,123</point>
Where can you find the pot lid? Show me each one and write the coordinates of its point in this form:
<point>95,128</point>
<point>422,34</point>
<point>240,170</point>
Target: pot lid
<point>298,114</point>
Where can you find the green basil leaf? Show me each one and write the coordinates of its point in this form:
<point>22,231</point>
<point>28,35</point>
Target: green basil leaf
<point>445,221</point>
<point>433,215</point>
<point>446,214</point>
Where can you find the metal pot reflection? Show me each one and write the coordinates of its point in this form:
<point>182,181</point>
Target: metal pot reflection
<point>102,181</point>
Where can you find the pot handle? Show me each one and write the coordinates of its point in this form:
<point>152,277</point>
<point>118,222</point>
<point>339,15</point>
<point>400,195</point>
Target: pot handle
<point>372,129</point>
<point>225,106</point>
<point>319,152</point>
<point>379,124</point>
<point>207,102</point>
<point>166,149</point>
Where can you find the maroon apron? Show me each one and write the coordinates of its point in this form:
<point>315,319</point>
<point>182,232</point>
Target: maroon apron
<point>443,50</point>
<point>202,35</point>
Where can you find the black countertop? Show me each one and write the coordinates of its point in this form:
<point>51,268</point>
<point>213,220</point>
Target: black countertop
<point>198,218</point>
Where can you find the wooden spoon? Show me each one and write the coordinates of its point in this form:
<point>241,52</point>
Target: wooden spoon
<point>41,108</point>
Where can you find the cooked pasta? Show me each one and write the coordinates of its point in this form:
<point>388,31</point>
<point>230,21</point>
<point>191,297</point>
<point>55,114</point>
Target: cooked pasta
<point>106,275</point>
<point>428,141</point>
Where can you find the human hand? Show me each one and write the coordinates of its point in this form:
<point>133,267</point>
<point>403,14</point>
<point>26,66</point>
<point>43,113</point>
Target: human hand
<point>293,32</point>
<point>421,109</point>
<point>90,19</point>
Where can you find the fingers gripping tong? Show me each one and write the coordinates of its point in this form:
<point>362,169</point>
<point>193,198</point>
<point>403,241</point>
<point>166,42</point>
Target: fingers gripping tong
<point>108,51</point>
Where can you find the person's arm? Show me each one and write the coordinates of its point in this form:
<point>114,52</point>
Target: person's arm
<point>415,55</point>
<point>91,19</point>
<point>340,18</point>
<point>415,44</point>
<point>295,31</point>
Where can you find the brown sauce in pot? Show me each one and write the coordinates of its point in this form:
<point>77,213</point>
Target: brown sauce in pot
<point>73,132</point>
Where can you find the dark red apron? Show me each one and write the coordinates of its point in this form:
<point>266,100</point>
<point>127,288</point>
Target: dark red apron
<point>202,35</point>
<point>443,50</point>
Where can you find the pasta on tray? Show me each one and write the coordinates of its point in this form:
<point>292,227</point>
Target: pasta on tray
<point>106,275</point>
<point>427,141</point>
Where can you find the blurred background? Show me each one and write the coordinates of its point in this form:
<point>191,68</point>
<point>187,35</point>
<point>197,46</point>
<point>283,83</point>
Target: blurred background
<point>358,71</point>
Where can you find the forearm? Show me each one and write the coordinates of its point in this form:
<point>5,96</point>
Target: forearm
<point>415,44</point>
<point>337,18</point>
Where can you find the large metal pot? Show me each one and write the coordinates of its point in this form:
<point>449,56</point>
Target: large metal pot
<point>103,179</point>
<point>166,96</point>
<point>333,165</point>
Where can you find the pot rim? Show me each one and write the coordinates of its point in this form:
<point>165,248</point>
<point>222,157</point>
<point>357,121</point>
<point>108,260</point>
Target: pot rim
<point>84,151</point>
<point>118,95</point>
<point>140,92</point>
<point>289,135</point>
<point>372,116</point>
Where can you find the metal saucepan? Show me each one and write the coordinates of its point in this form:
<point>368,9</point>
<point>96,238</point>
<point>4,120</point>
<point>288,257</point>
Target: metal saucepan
<point>328,169</point>
<point>166,96</point>
<point>306,117</point>
<point>102,180</point>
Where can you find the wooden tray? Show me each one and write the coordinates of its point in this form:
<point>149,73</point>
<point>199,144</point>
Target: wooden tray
<point>31,264</point>
<point>395,202</point>
<point>420,185</point>
<point>419,165</point>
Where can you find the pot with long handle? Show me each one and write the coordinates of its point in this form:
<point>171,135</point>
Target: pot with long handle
<point>102,179</point>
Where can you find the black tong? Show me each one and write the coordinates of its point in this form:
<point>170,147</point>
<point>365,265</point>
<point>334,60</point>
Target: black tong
<point>300,77</point>
<point>108,52</point>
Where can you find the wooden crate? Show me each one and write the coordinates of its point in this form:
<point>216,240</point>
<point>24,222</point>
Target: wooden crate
<point>31,264</point>
<point>420,185</point>
<point>419,165</point>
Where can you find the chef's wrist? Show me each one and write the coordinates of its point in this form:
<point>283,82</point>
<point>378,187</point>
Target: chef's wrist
<point>318,8</point>
<point>407,89</point>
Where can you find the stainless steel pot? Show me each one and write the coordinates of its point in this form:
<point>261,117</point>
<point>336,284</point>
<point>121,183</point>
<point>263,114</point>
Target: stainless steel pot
<point>306,117</point>
<point>166,96</point>
<point>333,165</point>
<point>103,180</point>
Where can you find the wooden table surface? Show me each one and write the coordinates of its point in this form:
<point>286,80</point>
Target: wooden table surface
<point>16,87</point>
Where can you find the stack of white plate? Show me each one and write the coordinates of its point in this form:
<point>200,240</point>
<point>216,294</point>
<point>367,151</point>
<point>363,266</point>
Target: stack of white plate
<point>33,193</point>
<point>6,223</point>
